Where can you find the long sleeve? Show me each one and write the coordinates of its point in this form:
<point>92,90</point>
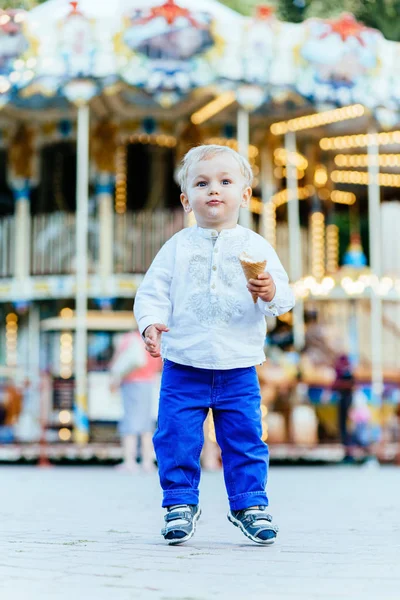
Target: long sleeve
<point>152,301</point>
<point>283,301</point>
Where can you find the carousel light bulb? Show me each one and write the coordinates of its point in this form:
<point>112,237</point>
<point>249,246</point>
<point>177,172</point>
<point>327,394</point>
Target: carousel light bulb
<point>64,417</point>
<point>11,339</point>
<point>64,434</point>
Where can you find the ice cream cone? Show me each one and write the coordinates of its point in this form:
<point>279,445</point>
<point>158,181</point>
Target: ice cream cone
<point>251,269</point>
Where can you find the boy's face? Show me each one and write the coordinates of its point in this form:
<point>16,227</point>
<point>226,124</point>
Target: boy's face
<point>215,191</point>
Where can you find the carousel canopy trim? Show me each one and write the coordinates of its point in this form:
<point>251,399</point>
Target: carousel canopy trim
<point>78,50</point>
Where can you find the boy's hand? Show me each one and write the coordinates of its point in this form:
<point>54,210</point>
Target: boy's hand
<point>152,338</point>
<point>263,286</point>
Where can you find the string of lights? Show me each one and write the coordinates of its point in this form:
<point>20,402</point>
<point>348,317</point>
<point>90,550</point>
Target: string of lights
<point>332,248</point>
<point>360,140</point>
<point>269,211</point>
<point>363,178</point>
<point>120,180</point>
<point>317,244</point>
<point>283,196</point>
<point>340,197</point>
<point>351,287</point>
<point>363,160</point>
<point>318,119</point>
<point>155,139</point>
<point>281,157</point>
<point>11,339</point>
<point>213,107</point>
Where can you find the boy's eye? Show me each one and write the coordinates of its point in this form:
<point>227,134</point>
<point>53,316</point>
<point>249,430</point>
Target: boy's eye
<point>225,181</point>
<point>201,184</point>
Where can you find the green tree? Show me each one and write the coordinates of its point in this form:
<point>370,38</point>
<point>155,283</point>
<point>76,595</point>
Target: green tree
<point>245,7</point>
<point>292,10</point>
<point>25,4</point>
<point>328,9</point>
<point>383,15</point>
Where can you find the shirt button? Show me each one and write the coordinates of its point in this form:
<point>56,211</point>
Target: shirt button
<point>213,286</point>
<point>214,268</point>
<point>215,249</point>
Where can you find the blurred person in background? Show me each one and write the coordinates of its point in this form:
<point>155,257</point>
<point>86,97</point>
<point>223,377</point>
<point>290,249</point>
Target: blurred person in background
<point>344,386</point>
<point>365,432</point>
<point>135,373</point>
<point>10,408</point>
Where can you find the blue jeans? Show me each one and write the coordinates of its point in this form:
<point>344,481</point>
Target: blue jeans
<point>187,393</point>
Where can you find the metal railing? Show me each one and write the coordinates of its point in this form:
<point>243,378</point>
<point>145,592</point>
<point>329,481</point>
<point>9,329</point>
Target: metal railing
<point>139,236</point>
<point>53,244</point>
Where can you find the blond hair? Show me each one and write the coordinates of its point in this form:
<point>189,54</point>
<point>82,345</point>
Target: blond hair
<point>207,151</point>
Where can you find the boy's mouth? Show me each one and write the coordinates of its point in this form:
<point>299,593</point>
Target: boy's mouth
<point>214,202</point>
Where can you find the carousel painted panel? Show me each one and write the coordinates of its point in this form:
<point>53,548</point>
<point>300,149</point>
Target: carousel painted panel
<point>338,62</point>
<point>13,43</point>
<point>173,47</point>
<point>67,41</point>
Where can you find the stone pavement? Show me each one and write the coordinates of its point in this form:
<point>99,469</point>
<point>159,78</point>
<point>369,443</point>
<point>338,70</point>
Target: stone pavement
<point>81,533</point>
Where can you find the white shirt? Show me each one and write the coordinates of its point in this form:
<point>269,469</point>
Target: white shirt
<point>196,286</point>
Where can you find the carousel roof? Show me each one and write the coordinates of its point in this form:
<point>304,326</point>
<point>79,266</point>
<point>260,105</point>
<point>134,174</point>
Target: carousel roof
<point>154,54</point>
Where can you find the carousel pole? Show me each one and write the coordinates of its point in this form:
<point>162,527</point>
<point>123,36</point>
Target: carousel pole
<point>110,168</point>
<point>374,222</point>
<point>38,408</point>
<point>81,433</point>
<point>21,190</point>
<point>34,352</point>
<point>295,251</point>
<point>243,134</point>
<point>104,197</point>
<point>268,188</point>
<point>21,159</point>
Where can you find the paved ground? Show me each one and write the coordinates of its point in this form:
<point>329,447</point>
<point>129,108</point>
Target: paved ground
<point>93,533</point>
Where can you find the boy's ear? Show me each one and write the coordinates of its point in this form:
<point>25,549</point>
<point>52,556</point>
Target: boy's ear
<point>185,203</point>
<point>246,195</point>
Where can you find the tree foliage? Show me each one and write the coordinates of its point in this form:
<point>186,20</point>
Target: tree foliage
<point>292,10</point>
<point>25,4</point>
<point>383,15</point>
<point>331,8</point>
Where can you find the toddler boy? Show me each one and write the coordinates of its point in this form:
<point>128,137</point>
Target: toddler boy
<point>195,309</point>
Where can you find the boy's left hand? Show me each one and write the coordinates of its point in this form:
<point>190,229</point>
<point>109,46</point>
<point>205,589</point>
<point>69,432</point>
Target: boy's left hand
<point>264,286</point>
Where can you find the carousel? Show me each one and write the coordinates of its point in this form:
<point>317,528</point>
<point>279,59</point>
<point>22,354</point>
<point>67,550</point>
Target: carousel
<point>98,105</point>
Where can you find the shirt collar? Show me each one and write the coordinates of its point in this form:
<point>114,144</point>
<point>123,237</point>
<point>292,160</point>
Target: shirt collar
<point>211,233</point>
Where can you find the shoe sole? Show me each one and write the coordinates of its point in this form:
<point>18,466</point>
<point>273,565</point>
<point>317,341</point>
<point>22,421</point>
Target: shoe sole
<point>187,537</point>
<point>238,523</point>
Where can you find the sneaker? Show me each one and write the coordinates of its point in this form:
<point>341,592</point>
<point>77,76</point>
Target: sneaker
<point>180,523</point>
<point>255,523</point>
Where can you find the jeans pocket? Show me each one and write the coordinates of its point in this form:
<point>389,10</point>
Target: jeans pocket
<point>168,364</point>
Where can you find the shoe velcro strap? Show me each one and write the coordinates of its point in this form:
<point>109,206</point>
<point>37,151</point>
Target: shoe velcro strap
<point>251,517</point>
<point>175,515</point>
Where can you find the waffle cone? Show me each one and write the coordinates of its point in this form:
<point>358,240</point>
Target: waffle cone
<point>251,269</point>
